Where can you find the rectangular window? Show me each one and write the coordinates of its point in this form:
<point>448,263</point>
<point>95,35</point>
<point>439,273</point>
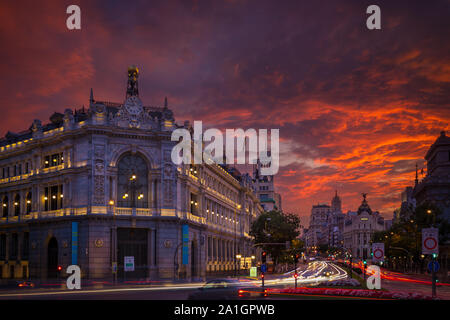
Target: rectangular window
<point>14,246</point>
<point>26,246</point>
<point>2,246</point>
<point>53,160</point>
<point>54,198</point>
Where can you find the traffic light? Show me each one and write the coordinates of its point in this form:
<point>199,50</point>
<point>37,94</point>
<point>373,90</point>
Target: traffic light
<point>434,255</point>
<point>296,257</point>
<point>263,256</point>
<point>59,268</point>
<point>365,262</point>
<point>295,275</point>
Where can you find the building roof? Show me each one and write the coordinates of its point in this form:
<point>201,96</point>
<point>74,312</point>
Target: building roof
<point>364,207</point>
<point>442,140</point>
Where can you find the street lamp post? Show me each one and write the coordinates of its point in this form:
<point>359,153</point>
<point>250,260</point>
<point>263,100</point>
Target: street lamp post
<point>235,239</point>
<point>239,257</point>
<point>433,257</point>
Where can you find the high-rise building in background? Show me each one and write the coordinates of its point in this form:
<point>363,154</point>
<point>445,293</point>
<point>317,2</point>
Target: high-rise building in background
<point>264,188</point>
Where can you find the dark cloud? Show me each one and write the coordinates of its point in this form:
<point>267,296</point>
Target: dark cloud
<point>356,108</point>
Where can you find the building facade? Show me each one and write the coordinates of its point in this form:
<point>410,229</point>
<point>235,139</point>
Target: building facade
<point>435,187</point>
<point>359,228</point>
<point>326,224</point>
<point>318,230</point>
<point>265,189</point>
<point>95,186</point>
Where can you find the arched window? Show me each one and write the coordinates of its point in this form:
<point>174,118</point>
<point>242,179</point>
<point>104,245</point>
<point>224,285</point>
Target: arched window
<point>5,206</point>
<point>132,182</point>
<point>28,209</point>
<point>17,205</point>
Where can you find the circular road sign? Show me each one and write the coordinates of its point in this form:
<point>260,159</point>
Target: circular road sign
<point>430,243</point>
<point>433,265</point>
<point>378,253</point>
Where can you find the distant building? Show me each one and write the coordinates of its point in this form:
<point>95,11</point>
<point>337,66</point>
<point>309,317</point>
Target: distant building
<point>336,223</point>
<point>265,189</point>
<point>318,226</point>
<point>326,224</point>
<point>359,228</point>
<point>408,205</point>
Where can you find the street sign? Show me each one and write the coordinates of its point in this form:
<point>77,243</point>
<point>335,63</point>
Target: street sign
<point>263,268</point>
<point>253,272</point>
<point>430,241</point>
<point>378,252</point>
<point>433,265</point>
<point>128,263</point>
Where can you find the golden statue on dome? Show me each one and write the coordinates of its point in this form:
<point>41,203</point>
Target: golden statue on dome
<point>132,87</point>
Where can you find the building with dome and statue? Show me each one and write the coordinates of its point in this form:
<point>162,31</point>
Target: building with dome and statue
<point>97,186</point>
<point>359,228</point>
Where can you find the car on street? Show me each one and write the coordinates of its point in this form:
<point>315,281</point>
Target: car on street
<point>227,289</point>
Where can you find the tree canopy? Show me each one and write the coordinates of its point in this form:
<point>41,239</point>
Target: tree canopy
<point>407,232</point>
<point>277,227</point>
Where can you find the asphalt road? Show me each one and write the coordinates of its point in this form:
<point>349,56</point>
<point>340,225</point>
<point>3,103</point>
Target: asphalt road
<point>311,274</point>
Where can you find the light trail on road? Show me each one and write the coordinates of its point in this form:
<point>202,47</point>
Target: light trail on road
<point>312,274</point>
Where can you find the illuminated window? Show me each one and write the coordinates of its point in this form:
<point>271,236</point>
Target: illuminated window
<point>53,199</point>
<point>17,205</point>
<point>132,182</point>
<point>53,160</point>
<point>5,206</point>
<point>28,200</point>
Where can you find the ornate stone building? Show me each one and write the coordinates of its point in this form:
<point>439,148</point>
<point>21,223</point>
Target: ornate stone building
<point>359,228</point>
<point>95,186</point>
<point>435,187</point>
<point>326,224</point>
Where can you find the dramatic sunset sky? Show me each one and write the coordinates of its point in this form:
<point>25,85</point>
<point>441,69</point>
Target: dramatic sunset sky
<point>356,109</point>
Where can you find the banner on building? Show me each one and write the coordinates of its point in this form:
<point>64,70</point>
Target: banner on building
<point>185,231</point>
<point>74,243</point>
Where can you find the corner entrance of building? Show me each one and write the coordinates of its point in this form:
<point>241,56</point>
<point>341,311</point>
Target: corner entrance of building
<point>52,259</point>
<point>132,242</point>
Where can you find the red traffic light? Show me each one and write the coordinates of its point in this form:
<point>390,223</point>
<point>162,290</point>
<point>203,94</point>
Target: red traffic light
<point>262,275</point>
<point>59,268</point>
<point>296,275</point>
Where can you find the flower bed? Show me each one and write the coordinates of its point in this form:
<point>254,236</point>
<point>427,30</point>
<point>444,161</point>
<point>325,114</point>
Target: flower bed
<point>343,283</point>
<point>357,293</point>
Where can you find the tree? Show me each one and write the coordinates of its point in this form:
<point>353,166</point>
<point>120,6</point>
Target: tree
<point>275,227</point>
<point>406,233</point>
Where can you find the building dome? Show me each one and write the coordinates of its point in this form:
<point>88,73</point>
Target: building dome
<point>364,206</point>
